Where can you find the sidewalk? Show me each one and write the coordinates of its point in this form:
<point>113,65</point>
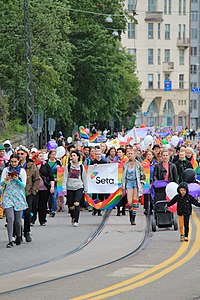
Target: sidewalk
<point>117,239</point>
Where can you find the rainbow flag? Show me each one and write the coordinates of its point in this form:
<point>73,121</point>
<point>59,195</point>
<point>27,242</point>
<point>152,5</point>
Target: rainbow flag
<point>194,163</point>
<point>60,173</point>
<point>93,138</point>
<point>120,171</point>
<point>108,203</point>
<point>83,133</point>
<point>168,137</point>
<point>146,168</point>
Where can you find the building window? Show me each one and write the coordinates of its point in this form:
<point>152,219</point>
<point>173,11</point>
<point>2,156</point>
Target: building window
<point>131,30</point>
<point>167,55</point>
<point>167,76</point>
<point>184,7</point>
<point>167,31</point>
<point>181,56</point>
<point>179,102</point>
<point>179,31</point>
<point>181,81</point>
<point>159,57</point>
<point>194,15</point>
<point>131,5</point>
<point>193,85</point>
<point>150,30</point>
<point>165,7</point>
<point>150,56</point>
<point>152,4</point>
<point>193,69</point>
<point>193,33</point>
<point>150,81</point>
<point>180,7</point>
<point>193,51</point>
<point>194,1</point>
<point>180,121</point>
<point>169,7</point>
<point>158,81</point>
<point>195,104</point>
<point>184,31</point>
<point>159,31</point>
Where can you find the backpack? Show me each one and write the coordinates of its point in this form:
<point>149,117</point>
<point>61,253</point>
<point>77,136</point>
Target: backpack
<point>81,168</point>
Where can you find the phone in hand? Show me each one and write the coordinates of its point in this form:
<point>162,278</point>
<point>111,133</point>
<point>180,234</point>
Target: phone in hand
<point>12,174</point>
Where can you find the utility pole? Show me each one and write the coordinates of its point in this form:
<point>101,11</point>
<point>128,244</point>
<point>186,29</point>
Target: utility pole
<point>30,103</point>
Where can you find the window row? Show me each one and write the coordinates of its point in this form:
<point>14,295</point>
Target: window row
<point>166,58</point>
<point>167,6</point>
<point>167,31</point>
<point>151,83</point>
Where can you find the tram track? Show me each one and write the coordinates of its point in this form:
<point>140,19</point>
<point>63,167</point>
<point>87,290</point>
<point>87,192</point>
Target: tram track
<point>144,241</point>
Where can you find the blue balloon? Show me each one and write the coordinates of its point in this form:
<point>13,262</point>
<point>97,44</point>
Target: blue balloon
<point>51,145</point>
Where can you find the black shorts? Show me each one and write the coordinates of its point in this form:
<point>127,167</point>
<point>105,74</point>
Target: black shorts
<point>74,196</point>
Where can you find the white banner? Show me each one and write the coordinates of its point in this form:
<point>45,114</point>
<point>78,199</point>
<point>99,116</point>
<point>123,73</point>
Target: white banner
<point>102,179</point>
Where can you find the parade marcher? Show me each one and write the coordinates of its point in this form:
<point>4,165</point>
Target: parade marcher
<point>74,184</point>
<point>13,180</point>
<point>32,186</point>
<point>46,187</point>
<point>157,152</point>
<point>111,155</point>
<point>190,155</point>
<point>53,163</point>
<point>3,163</point>
<point>148,165</point>
<point>8,149</point>
<point>122,159</point>
<point>98,161</point>
<point>91,157</point>
<point>182,164</point>
<point>184,209</point>
<point>165,170</point>
<point>132,176</point>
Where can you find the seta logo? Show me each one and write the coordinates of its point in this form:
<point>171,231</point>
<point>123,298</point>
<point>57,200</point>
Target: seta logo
<point>93,175</point>
<point>100,180</point>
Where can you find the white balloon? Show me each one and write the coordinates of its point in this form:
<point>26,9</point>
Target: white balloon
<point>171,189</point>
<point>148,140</point>
<point>60,152</point>
<point>45,156</point>
<point>69,139</point>
<point>138,140</point>
<point>175,140</point>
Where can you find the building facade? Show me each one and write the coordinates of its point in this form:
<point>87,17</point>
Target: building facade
<point>161,45</point>
<point>195,64</point>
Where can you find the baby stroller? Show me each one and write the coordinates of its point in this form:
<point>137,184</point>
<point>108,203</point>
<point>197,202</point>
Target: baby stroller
<point>162,218</point>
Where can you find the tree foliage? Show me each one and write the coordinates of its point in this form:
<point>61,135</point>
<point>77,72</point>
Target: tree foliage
<point>79,74</point>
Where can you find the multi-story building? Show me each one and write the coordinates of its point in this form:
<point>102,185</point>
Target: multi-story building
<point>195,64</point>
<point>161,45</point>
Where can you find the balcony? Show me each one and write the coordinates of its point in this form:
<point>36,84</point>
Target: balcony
<point>168,66</point>
<point>155,16</point>
<point>185,43</point>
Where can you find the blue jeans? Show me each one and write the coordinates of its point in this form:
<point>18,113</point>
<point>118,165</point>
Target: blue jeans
<point>53,199</point>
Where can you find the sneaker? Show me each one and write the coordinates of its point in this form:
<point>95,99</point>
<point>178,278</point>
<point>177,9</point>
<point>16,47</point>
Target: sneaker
<point>52,214</point>
<point>75,224</point>
<point>28,238</point>
<point>182,238</point>
<point>99,213</point>
<point>118,214</point>
<point>18,240</point>
<point>72,221</point>
<point>186,239</point>
<point>9,245</point>
<point>32,224</point>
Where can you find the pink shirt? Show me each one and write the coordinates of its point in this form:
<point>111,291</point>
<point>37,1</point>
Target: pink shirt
<point>166,166</point>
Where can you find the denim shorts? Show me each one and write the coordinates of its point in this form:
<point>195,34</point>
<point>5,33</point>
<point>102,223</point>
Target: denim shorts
<point>131,184</point>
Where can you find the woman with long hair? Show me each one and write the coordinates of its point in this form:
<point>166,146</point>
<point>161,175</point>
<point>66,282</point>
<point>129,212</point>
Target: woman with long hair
<point>13,181</point>
<point>46,186</point>
<point>132,175</point>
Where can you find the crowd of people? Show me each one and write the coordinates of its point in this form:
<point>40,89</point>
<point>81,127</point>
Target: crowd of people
<point>29,181</point>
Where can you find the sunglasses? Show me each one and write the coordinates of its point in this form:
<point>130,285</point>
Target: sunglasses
<point>20,153</point>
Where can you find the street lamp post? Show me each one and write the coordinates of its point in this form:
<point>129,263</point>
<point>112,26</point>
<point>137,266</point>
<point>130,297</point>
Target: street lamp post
<point>30,103</point>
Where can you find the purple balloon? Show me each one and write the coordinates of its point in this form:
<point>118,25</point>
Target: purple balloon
<point>194,189</point>
<point>51,145</point>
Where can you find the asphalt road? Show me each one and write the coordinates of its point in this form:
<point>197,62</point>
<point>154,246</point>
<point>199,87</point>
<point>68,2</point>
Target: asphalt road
<point>164,269</point>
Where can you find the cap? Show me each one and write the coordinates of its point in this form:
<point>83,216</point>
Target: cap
<point>2,147</point>
<point>33,150</point>
<point>23,148</point>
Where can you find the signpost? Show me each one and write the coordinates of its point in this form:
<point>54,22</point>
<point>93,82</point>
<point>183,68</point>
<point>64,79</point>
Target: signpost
<point>167,85</point>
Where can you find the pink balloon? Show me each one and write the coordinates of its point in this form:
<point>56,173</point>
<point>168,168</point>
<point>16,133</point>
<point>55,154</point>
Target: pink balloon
<point>172,208</point>
<point>87,130</point>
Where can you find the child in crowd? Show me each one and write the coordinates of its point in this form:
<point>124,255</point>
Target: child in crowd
<point>184,209</point>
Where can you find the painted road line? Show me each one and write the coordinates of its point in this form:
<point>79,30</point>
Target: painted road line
<point>158,267</point>
<point>194,249</point>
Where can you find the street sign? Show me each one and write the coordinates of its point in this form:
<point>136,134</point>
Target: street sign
<point>51,126</point>
<point>196,90</point>
<point>167,85</point>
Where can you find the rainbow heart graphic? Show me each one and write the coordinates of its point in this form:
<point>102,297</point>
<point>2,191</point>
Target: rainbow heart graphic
<point>93,175</point>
